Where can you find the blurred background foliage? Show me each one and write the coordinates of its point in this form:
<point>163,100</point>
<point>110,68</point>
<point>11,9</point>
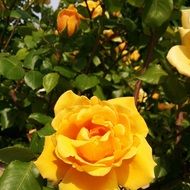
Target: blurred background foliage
<point>119,53</point>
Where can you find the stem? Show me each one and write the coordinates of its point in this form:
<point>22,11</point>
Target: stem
<point>89,12</point>
<point>11,35</point>
<point>150,49</point>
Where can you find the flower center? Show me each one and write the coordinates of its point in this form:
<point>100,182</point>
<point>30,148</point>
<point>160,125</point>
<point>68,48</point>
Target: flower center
<point>97,131</point>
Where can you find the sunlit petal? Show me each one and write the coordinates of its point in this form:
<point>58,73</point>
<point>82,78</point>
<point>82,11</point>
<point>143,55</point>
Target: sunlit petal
<point>179,57</point>
<point>75,180</point>
<point>49,165</point>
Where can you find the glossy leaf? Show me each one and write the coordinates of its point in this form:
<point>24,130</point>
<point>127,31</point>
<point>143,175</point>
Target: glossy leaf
<point>153,74</point>
<point>33,79</point>
<point>156,12</point>
<point>11,69</point>
<point>9,154</point>
<point>46,130</point>
<point>85,82</point>
<point>19,176</point>
<point>30,60</point>
<point>66,72</point>
<point>50,81</point>
<point>41,118</point>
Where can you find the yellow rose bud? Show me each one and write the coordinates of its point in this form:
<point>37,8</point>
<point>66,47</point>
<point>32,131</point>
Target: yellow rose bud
<point>68,18</point>
<point>97,145</point>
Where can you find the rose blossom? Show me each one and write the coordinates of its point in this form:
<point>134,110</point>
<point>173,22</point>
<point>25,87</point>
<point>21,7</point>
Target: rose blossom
<point>179,55</point>
<point>97,145</point>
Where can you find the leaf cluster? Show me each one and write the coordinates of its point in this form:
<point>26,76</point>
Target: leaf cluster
<point>37,65</point>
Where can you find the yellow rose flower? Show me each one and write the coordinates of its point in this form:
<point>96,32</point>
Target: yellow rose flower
<point>179,55</point>
<point>97,145</point>
<point>94,7</point>
<point>68,18</point>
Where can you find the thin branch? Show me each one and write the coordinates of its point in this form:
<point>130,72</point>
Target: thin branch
<point>11,35</point>
<point>89,12</point>
<point>150,50</point>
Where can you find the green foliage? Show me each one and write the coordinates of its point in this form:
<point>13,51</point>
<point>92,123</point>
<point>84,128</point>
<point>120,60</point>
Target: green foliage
<point>156,12</point>
<point>19,175</point>
<point>11,69</point>
<point>153,74</point>
<point>12,153</point>
<point>38,64</point>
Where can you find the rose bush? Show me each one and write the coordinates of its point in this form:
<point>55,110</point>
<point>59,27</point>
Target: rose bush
<point>97,145</point>
<point>179,55</point>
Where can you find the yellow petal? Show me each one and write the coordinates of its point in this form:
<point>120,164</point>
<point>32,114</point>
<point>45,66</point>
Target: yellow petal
<point>61,22</point>
<point>75,180</point>
<point>58,120</point>
<point>48,164</point>
<point>127,106</point>
<point>69,99</point>
<point>185,18</point>
<point>95,150</point>
<point>66,151</point>
<point>179,57</point>
<point>97,11</point>
<point>185,36</point>
<point>64,148</point>
<point>72,25</point>
<point>138,171</point>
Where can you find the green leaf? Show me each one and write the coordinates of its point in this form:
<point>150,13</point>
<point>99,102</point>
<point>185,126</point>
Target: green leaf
<point>113,5</point>
<point>85,82</point>
<point>30,60</point>
<point>29,41</point>
<point>99,92</point>
<point>11,69</point>
<point>64,71</point>
<point>136,3</point>
<point>156,12</point>
<point>21,53</point>
<point>41,118</point>
<point>19,176</point>
<point>153,74</point>
<point>12,153</point>
<point>128,24</point>
<point>96,61</point>
<point>37,143</point>
<point>175,90</point>
<point>45,131</point>
<point>48,188</point>
<point>15,14</point>
<point>33,79</point>
<point>160,171</point>
<point>50,81</point>
<point>5,118</point>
